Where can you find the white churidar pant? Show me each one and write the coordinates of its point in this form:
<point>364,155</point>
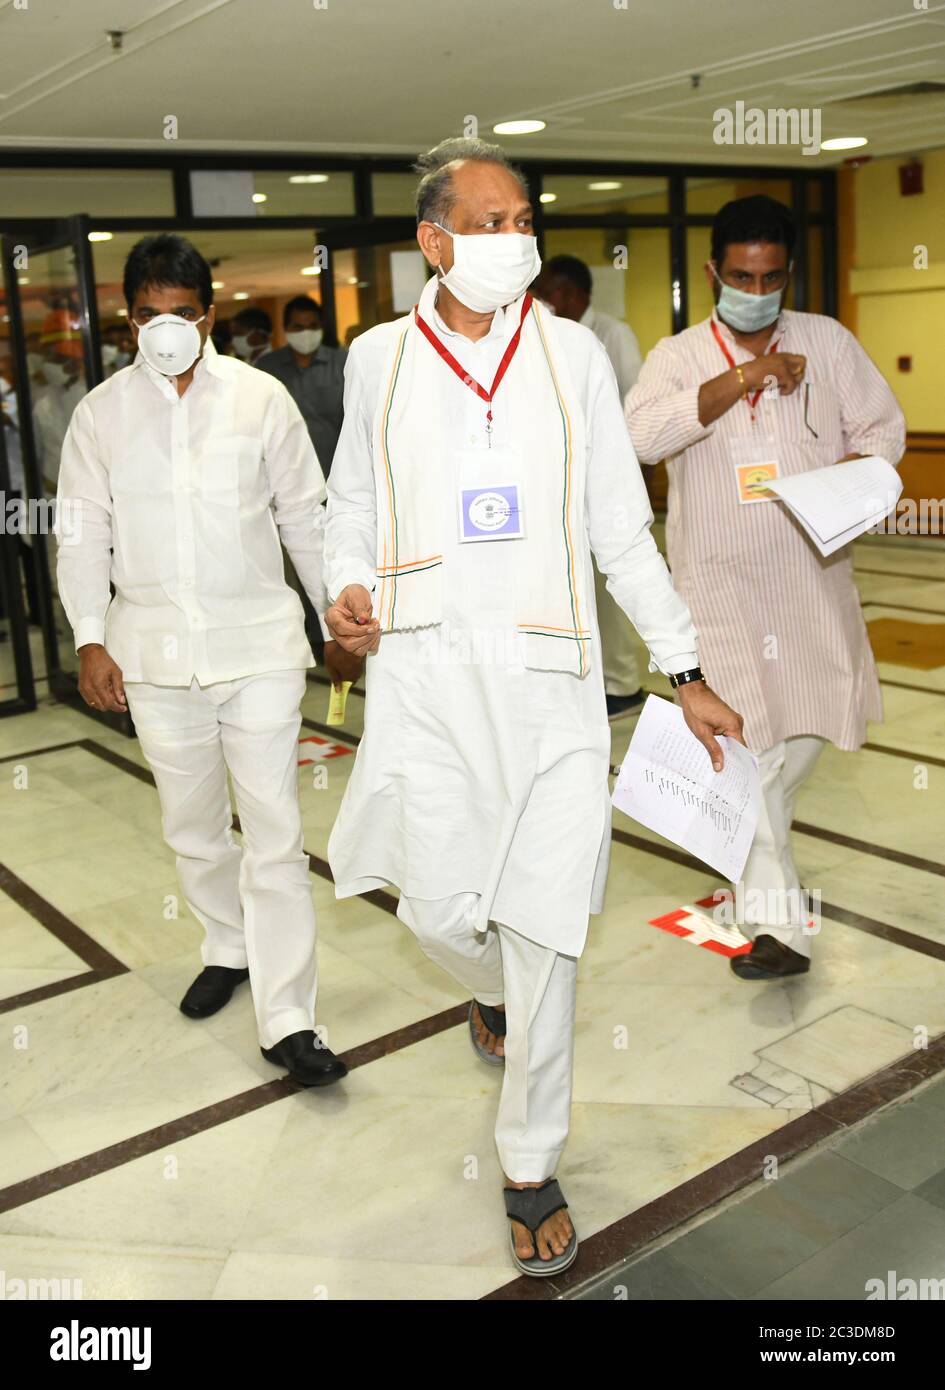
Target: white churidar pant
<point>770,870</point>
<point>255,902</point>
<point>537,986</point>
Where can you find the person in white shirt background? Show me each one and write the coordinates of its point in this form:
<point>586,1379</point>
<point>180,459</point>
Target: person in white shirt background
<point>179,476</point>
<point>566,284</point>
<point>63,387</point>
<point>758,391</point>
<point>483,454</point>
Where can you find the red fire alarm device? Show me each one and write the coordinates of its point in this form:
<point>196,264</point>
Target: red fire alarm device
<point>910,178</point>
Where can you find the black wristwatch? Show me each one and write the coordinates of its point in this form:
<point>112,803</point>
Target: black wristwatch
<point>684,677</point>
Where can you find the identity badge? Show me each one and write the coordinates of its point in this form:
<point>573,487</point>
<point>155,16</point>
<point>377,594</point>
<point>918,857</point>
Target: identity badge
<point>756,463</point>
<point>491,513</point>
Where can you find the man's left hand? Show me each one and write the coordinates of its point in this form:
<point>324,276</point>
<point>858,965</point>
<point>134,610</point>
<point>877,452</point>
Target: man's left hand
<point>342,665</point>
<point>707,715</point>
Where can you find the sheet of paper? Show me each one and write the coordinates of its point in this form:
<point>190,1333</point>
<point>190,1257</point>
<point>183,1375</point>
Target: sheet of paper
<point>838,503</point>
<point>668,784</point>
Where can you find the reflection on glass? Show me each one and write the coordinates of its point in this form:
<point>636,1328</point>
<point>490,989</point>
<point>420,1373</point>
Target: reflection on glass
<point>394,194</point>
<point>708,195</point>
<point>630,268</point>
<point>303,193</point>
<point>374,284</point>
<point>590,193</point>
<point>100,192</point>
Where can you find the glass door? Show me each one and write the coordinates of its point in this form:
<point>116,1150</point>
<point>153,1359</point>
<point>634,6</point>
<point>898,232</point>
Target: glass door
<point>375,274</point>
<point>53,327</point>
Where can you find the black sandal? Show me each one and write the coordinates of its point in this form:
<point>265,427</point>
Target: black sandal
<point>494,1019</point>
<point>532,1206</point>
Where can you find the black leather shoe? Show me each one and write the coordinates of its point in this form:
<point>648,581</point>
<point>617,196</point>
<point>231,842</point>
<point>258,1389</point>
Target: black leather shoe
<point>212,989</point>
<point>306,1059</point>
<point>769,959</point>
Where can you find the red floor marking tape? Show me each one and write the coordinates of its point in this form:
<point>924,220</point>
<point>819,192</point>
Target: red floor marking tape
<point>323,749</point>
<point>698,929</point>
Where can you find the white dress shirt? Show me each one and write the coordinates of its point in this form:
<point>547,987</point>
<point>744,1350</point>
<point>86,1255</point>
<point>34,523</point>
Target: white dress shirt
<point>181,501</point>
<point>621,344</point>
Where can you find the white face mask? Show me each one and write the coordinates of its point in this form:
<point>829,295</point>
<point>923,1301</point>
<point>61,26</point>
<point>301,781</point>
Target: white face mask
<point>244,348</point>
<point>55,374</point>
<point>169,343</point>
<point>490,270</point>
<point>305,341</point>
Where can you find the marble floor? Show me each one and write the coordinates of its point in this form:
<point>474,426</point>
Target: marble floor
<point>149,1156</point>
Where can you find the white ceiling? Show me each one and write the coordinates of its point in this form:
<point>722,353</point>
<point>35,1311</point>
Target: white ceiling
<point>395,76</point>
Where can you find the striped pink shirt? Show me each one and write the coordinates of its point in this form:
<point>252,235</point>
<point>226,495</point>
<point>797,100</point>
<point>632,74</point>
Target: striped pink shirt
<point>781,634</point>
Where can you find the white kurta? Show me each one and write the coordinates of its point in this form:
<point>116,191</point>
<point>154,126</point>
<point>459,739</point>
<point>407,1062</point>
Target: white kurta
<point>781,633</point>
<point>476,774</point>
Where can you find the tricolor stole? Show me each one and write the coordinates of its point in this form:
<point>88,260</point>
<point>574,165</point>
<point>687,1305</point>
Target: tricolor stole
<point>541,415</point>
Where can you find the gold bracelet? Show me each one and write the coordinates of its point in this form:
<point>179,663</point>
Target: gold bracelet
<point>741,377</point>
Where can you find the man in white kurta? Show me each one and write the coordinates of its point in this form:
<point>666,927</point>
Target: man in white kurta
<point>781,631</point>
<point>480,786</point>
<point>179,476</point>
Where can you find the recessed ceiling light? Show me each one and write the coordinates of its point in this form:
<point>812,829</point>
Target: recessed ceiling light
<point>122,313</point>
<point>260,197</point>
<point>548,197</point>
<point>100,236</point>
<point>22,279</point>
<point>352,279</point>
<point>604,185</point>
<point>241,294</point>
<point>308,178</point>
<point>218,284</point>
<point>518,127</point>
<point>844,142</point>
<point>311,270</point>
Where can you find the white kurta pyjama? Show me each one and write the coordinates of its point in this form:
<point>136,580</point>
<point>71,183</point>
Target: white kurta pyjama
<point>476,774</point>
<point>781,634</point>
<point>181,502</point>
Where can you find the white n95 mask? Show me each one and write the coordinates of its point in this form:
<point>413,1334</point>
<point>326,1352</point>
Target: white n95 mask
<point>305,341</point>
<point>491,269</point>
<point>169,343</point>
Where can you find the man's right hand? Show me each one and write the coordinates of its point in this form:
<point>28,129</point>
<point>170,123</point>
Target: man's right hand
<point>350,622</point>
<point>784,368</point>
<point>100,682</point>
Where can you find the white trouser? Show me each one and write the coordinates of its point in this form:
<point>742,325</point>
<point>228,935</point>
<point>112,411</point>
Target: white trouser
<point>771,886</point>
<point>537,986</point>
<point>255,903</point>
<point>621,673</point>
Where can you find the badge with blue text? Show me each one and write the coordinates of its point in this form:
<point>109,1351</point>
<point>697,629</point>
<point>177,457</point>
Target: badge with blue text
<point>491,513</point>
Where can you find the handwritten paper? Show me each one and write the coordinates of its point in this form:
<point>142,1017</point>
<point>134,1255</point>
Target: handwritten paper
<point>668,784</point>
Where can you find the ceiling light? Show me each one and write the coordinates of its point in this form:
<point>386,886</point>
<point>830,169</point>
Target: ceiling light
<point>548,197</point>
<point>241,294</point>
<point>517,127</point>
<point>100,236</point>
<point>308,178</point>
<point>604,185</point>
<point>22,279</point>
<point>122,313</point>
<point>218,284</point>
<point>260,197</point>
<point>844,142</point>
<point>311,270</point>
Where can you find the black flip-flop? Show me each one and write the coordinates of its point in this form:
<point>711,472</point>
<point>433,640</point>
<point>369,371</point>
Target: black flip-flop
<point>494,1019</point>
<point>532,1206</point>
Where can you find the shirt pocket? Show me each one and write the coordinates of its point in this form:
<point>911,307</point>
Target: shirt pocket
<point>229,467</point>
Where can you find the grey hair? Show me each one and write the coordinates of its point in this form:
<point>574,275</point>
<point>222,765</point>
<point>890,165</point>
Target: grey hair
<point>435,195</point>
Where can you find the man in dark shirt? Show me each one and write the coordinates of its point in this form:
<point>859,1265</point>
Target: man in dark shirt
<point>313,374</point>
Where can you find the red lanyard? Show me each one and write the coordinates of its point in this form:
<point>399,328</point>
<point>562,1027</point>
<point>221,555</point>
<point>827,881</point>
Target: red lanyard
<point>751,401</point>
<point>461,372</point>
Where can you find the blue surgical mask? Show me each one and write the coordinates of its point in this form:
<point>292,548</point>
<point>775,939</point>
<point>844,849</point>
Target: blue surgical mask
<point>748,313</point>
